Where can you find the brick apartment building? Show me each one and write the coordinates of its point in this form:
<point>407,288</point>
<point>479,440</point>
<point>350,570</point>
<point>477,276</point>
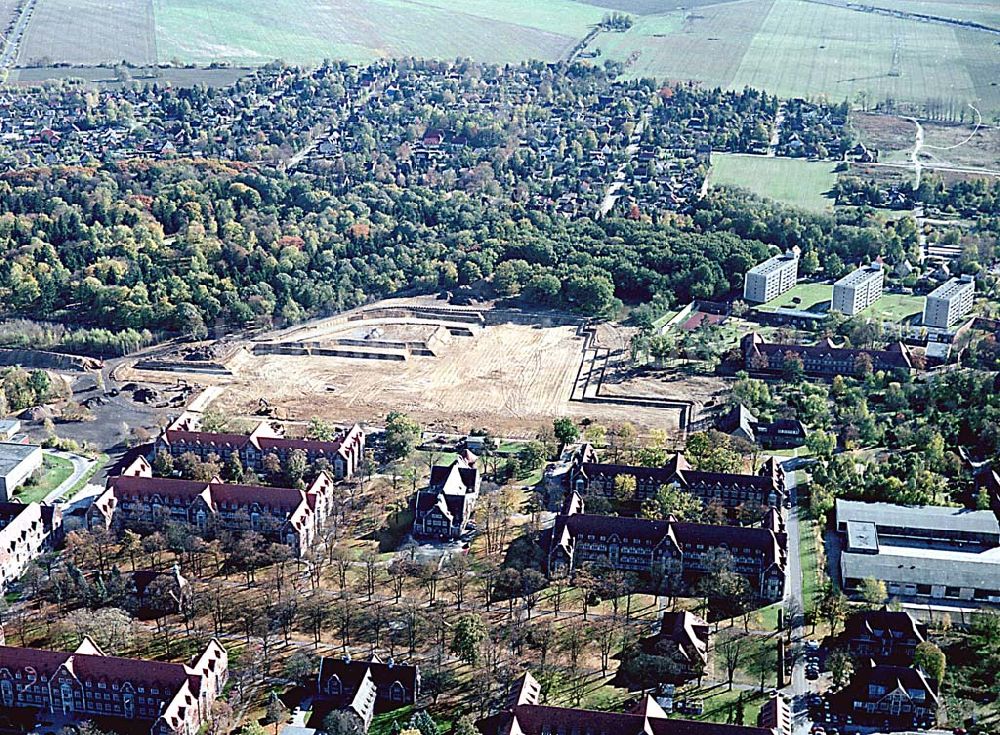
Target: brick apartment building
<point>184,435</point>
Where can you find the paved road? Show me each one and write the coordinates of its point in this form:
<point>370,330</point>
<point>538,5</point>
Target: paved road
<point>799,687</point>
<point>611,195</point>
<point>772,144</point>
<point>81,465</point>
<point>12,42</point>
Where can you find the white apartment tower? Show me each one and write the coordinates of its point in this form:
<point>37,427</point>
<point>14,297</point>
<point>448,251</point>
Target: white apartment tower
<point>858,290</point>
<point>770,279</point>
<point>949,302</point>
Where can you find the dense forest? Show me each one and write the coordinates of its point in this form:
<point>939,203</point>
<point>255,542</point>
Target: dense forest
<point>181,247</point>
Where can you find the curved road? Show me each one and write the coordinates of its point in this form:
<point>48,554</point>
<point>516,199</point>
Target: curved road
<point>81,465</point>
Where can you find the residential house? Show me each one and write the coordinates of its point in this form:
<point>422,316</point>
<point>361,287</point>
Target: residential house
<point>444,508</point>
<point>524,715</point>
<point>365,688</point>
<point>152,696</point>
<point>887,636</point>
<point>890,697</point>
<point>782,433</point>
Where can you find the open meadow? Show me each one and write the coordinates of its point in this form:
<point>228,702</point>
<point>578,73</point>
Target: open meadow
<point>793,181</point>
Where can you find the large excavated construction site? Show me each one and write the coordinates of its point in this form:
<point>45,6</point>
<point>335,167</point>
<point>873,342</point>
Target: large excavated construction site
<point>451,368</point>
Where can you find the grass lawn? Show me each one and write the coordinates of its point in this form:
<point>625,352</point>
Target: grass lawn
<point>793,181</point>
<point>803,297</point>
<point>721,702</point>
<point>809,559</point>
<point>895,307</point>
<point>55,471</point>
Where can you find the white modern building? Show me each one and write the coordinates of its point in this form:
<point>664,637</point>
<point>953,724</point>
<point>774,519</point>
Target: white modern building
<point>949,302</point>
<point>858,290</point>
<point>17,463</point>
<point>770,279</point>
<point>925,553</point>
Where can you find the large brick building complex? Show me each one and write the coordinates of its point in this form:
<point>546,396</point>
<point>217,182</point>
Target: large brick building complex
<point>766,489</point>
<point>344,454</point>
<point>285,515</point>
<point>643,546</point>
<point>824,359</point>
<point>159,698</point>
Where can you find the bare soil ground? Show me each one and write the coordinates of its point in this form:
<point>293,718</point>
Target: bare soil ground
<point>511,378</point>
<point>962,145</point>
<point>887,133</point>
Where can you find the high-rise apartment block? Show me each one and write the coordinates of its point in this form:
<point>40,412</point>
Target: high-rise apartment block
<point>770,279</point>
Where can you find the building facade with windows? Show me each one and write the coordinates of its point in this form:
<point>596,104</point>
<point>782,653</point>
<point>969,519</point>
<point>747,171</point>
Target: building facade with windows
<point>444,508</point>
<point>18,462</point>
<point>283,515</point>
<point>689,550</point>
<point>858,290</point>
<point>949,302</point>
<point>159,698</point>
<point>344,454</point>
<point>824,359</point>
<point>768,280</point>
<point>364,688</point>
<point>765,489</point>
<point>26,532</point>
<point>927,553</point>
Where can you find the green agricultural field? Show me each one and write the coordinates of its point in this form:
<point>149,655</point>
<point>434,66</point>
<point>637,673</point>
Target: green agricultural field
<point>803,297</point>
<point>793,181</point>
<point>797,48</point>
<point>789,47</point>
<point>252,31</point>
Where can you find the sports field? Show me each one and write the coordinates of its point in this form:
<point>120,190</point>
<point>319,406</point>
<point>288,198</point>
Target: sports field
<point>793,181</point>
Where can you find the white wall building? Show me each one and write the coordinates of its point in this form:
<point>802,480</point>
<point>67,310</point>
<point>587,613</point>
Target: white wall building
<point>770,279</point>
<point>26,531</point>
<point>17,463</point>
<point>858,290</point>
<point>949,302</point>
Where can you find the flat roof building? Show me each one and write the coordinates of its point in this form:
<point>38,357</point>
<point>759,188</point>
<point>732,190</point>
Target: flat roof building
<point>770,279</point>
<point>8,428</point>
<point>18,462</point>
<point>949,302</point>
<point>929,552</point>
<point>858,290</point>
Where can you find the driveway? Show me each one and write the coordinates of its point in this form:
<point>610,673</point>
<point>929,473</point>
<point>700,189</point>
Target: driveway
<point>81,466</point>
